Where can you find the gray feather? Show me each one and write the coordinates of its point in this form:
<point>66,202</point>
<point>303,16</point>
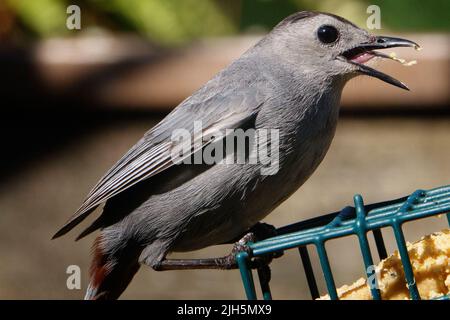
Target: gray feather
<point>152,154</point>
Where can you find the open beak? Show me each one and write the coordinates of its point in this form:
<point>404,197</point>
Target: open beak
<point>364,52</point>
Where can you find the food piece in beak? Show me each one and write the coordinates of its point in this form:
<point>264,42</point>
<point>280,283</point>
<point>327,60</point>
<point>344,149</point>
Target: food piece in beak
<point>363,53</point>
<point>393,56</point>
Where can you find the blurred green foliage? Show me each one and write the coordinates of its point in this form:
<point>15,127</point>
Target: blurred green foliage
<point>416,14</point>
<point>171,22</point>
<point>43,17</point>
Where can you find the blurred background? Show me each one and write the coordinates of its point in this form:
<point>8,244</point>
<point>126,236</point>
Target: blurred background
<point>74,101</point>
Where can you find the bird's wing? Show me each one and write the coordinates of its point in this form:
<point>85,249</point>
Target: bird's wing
<point>153,153</point>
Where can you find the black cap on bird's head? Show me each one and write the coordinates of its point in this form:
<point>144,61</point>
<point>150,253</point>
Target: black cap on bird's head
<point>334,45</point>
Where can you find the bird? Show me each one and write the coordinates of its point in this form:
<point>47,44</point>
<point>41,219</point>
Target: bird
<point>289,83</point>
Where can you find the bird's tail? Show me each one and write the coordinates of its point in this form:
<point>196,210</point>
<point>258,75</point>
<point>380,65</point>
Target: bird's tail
<point>111,270</point>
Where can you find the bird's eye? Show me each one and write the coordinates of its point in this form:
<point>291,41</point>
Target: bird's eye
<point>327,34</point>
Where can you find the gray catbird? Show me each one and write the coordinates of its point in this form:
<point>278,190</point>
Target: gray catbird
<point>290,81</point>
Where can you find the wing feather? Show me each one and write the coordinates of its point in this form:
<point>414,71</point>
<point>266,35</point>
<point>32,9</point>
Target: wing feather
<point>153,153</point>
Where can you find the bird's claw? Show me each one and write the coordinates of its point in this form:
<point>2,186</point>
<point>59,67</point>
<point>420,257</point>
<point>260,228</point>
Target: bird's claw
<point>263,231</point>
<point>242,246</point>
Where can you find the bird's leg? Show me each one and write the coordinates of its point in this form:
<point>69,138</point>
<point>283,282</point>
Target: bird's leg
<point>345,214</point>
<point>224,263</point>
<point>260,231</point>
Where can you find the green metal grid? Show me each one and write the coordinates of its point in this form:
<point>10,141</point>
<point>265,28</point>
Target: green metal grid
<point>366,218</point>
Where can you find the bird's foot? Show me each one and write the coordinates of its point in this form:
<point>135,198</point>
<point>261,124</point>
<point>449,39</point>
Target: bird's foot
<point>239,246</point>
<point>263,231</point>
<point>242,244</point>
<point>259,232</point>
<point>260,263</point>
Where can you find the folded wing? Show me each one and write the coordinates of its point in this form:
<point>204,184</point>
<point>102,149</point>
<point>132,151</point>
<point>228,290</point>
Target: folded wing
<point>154,152</point>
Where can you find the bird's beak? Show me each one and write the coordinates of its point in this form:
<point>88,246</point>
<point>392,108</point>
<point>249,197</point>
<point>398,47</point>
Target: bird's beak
<point>364,52</point>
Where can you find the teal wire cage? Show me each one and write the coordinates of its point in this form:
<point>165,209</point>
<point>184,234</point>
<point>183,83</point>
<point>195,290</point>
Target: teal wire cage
<point>364,220</point>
